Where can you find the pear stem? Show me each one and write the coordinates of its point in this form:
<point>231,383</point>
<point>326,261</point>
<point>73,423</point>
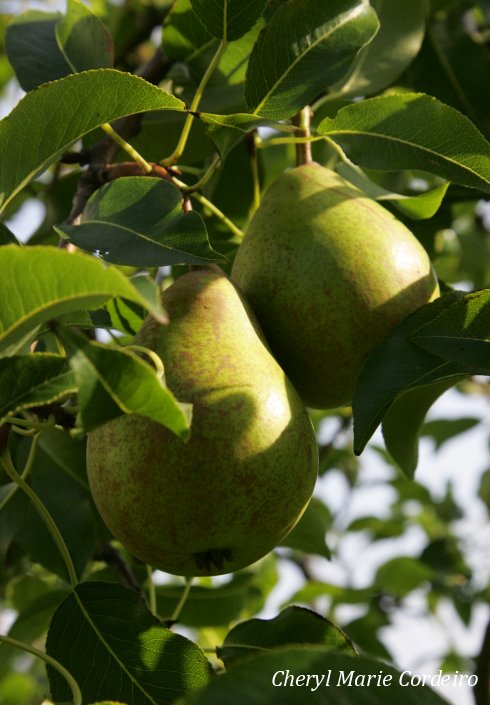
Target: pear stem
<point>303,151</point>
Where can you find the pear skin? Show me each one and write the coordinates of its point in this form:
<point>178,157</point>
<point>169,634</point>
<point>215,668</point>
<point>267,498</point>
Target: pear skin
<point>227,496</point>
<point>328,273</point>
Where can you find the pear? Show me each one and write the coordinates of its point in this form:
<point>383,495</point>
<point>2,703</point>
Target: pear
<point>227,496</point>
<point>328,273</point>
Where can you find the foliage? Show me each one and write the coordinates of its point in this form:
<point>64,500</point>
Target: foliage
<point>147,133</point>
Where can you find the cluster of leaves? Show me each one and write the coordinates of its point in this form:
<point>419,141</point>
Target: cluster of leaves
<point>186,106</point>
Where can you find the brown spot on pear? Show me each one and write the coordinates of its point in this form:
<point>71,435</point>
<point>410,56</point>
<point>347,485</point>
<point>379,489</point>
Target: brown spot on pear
<point>328,273</point>
<point>230,494</point>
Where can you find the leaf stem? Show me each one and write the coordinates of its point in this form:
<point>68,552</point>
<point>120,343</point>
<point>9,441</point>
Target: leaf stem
<point>252,144</point>
<point>183,599</point>
<point>27,423</point>
<point>262,144</point>
<point>6,461</point>
<point>179,150</point>
<point>156,359</point>
<point>204,179</point>
<point>129,149</point>
<point>218,213</point>
<point>25,472</point>
<point>75,689</point>
<point>152,595</point>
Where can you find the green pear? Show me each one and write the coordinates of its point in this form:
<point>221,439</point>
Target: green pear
<point>227,496</point>
<point>328,273</point>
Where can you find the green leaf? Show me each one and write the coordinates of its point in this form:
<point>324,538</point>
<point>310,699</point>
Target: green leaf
<point>115,381</point>
<point>228,19</point>
<point>70,505</point>
<point>309,534</point>
<point>445,68</point>
<point>461,334</point>
<point>259,674</point>
<point>31,624</point>
<point>396,366</point>
<point>41,283</point>
<point>442,430</point>
<point>139,221</point>
<point>419,207</point>
<point>6,236</point>
<point>67,453</point>
<point>379,63</point>
<point>401,575</point>
<point>385,133</point>
<point>227,130</point>
<point>119,651</point>
<point>28,147</point>
<point>294,625</point>
<point>184,36</point>
<point>33,380</point>
<point>83,39</point>
<point>403,422</point>
<point>306,47</point>
<point>207,607</point>
<point>32,49</point>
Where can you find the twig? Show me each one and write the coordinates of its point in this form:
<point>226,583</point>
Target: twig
<point>109,555</point>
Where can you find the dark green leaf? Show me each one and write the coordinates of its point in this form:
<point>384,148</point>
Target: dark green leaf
<point>114,381</point>
<point>70,505</point>
<point>67,453</point>
<point>139,221</point>
<point>258,675</point>
<point>31,624</point>
<point>31,47</point>
<point>33,380</point>
<point>461,334</point>
<point>309,534</point>
<point>384,133</point>
<point>119,651</point>
<point>396,366</point>
<point>27,147</point>
<point>226,130</point>
<point>184,36</point>
<point>445,68</point>
<point>294,625</point>
<point>41,283</point>
<point>228,19</point>
<point>83,39</point>
<point>6,236</point>
<point>419,207</point>
<point>484,491</point>
<point>401,575</point>
<point>403,422</point>
<point>442,430</point>
<point>306,47</point>
<point>379,63</point>
<point>207,607</point>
